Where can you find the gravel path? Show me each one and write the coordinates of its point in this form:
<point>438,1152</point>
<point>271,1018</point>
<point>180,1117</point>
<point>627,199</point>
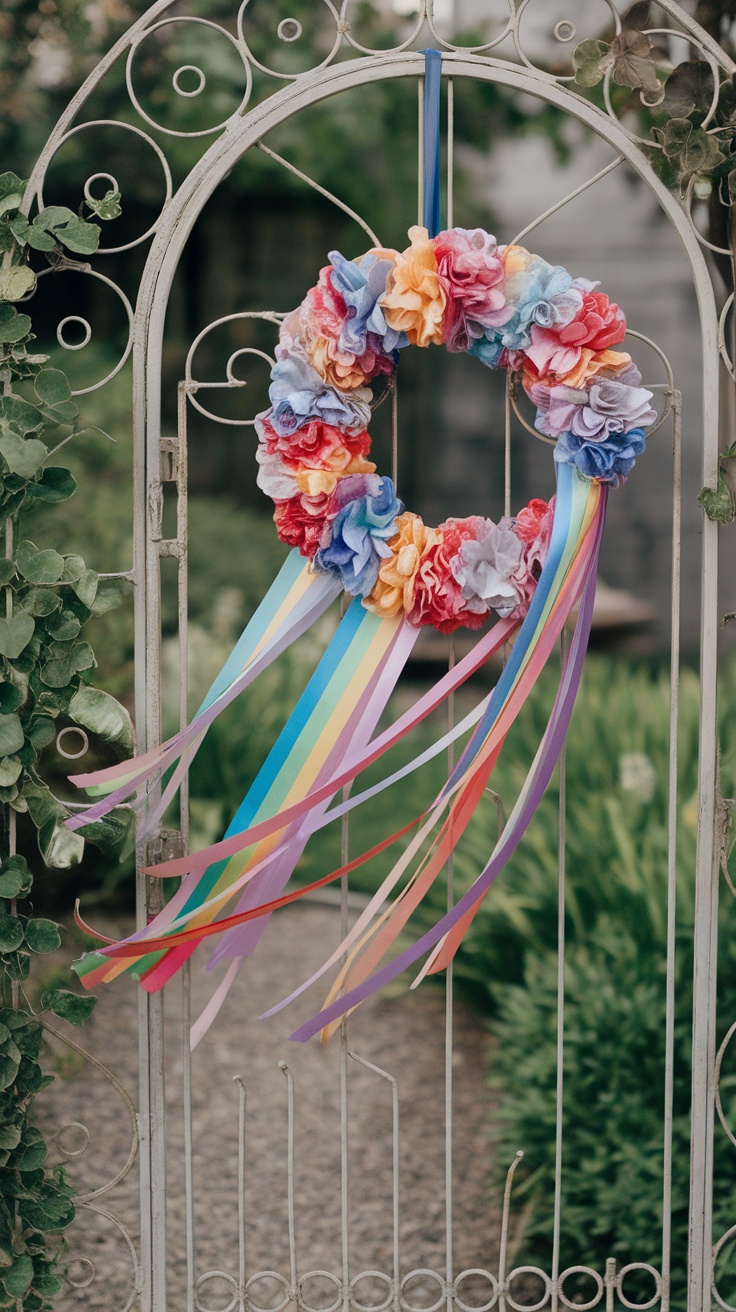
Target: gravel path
<point>404,1034</point>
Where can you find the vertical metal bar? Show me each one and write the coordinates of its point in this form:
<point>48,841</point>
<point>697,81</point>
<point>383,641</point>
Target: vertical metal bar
<point>507,450</point>
<point>344,1162</point>
<point>561,873</point>
<point>242,1109</point>
<point>420,151</point>
<point>450,152</point>
<point>705,941</point>
<point>182,540</point>
<point>290,1180</point>
<point>505,1231</point>
<point>449,999</point>
<point>186,1056</point>
<point>672,849</point>
<point>378,1070</point>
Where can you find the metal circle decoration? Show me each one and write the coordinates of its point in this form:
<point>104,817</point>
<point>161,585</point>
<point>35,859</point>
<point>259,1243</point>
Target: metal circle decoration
<point>280,1281</point>
<point>528,1271</point>
<point>87,1272</point>
<point>574,1303</point>
<point>86,332</point>
<point>211,1276</point>
<point>74,731</point>
<point>476,1307</point>
<point>194,91</point>
<point>331,1279</point>
<point>383,1279</point>
<point>426,1274</point>
<point>76,1131</point>
<point>565,30</point>
<point>639,1266</point>
<point>289,29</point>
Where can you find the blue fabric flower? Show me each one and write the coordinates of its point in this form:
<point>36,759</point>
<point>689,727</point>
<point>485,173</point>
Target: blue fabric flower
<point>609,461</point>
<point>360,285</point>
<point>359,532</point>
<point>298,394</point>
<point>544,294</point>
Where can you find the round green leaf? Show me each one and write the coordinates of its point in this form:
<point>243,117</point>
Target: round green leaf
<point>15,634</point>
<point>22,455</point>
<point>11,932</point>
<point>42,935</point>
<point>104,716</point>
<point>10,768</point>
<point>52,386</point>
<point>11,734</point>
<point>70,1006</point>
<point>16,282</point>
<point>39,566</point>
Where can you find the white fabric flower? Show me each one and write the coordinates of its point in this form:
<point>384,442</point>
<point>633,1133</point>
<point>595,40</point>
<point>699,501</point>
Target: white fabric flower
<point>273,477</point>
<point>484,570</point>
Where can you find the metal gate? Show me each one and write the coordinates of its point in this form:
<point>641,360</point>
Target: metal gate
<point>341,63</point>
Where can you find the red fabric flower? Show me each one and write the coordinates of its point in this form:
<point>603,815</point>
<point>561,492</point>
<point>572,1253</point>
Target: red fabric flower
<point>300,521</point>
<point>317,445</point>
<point>438,599</point>
<point>598,325</point>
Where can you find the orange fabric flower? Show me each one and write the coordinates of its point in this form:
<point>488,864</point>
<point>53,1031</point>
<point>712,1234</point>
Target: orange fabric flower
<point>414,300</point>
<point>394,587</point>
<point>589,364</point>
<point>313,482</point>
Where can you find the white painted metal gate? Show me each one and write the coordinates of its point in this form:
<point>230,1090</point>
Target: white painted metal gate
<point>341,64</point>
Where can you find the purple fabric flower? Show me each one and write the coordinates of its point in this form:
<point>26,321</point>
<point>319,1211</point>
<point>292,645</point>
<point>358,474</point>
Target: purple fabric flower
<point>361,283</point>
<point>607,405</point>
<point>359,531</point>
<point>298,394</point>
<point>485,569</point>
<point>608,461</point>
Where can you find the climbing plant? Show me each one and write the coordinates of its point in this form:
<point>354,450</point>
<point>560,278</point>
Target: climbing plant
<point>46,667</point>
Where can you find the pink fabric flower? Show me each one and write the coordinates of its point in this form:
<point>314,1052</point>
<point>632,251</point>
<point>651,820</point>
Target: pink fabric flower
<point>315,444</point>
<point>318,325</point>
<point>533,525</point>
<point>438,598</point>
<point>471,273</point>
<point>599,324</point>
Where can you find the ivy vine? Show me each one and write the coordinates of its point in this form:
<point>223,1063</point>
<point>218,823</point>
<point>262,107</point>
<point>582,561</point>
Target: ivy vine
<point>46,668</point>
<point>693,144</point>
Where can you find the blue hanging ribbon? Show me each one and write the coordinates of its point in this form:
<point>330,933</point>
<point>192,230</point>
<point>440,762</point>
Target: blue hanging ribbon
<point>431,141</point>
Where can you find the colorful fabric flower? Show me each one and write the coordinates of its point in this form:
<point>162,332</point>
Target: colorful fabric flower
<point>589,363</point>
<point>298,394</point>
<point>414,301</point>
<point>471,272</point>
<point>394,587</point>
<point>360,283</point>
<point>315,444</point>
<point>302,522</point>
<point>607,405</point>
<point>365,520</point>
<point>484,569</point>
<point>607,461</point>
<point>533,526</point>
<point>438,598</point>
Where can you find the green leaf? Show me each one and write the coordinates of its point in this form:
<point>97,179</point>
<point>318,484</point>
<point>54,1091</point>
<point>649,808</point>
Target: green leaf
<point>52,386</point>
<point>39,566</point>
<point>18,1277</point>
<point>110,593</point>
<point>11,883</point>
<point>64,626</point>
<point>74,568</point>
<point>108,207</point>
<point>41,731</point>
<point>688,88</point>
<point>55,484</point>
<point>85,588</point>
<point>13,326</point>
<point>104,716</point>
<point>76,234</point>
<point>11,734</point>
<point>61,848</point>
<point>11,697</point>
<point>20,414</point>
<point>15,634</point>
<point>10,768</point>
<point>64,412</point>
<point>10,184</point>
<point>633,65</point>
<point>22,455</point>
<point>115,833</point>
<point>16,282</point>
<point>11,936</point>
<point>42,935</point>
<point>9,1136</point>
<point>70,1006</point>
<point>590,60</point>
<point>41,601</point>
<point>7,571</point>
<point>718,502</point>
<point>692,149</point>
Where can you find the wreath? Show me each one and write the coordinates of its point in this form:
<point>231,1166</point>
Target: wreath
<point>512,310</point>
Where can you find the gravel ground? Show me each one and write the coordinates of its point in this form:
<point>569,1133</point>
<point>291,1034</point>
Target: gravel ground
<point>402,1034</point>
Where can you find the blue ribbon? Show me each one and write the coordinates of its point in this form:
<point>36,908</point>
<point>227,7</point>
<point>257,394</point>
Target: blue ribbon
<point>431,141</point>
